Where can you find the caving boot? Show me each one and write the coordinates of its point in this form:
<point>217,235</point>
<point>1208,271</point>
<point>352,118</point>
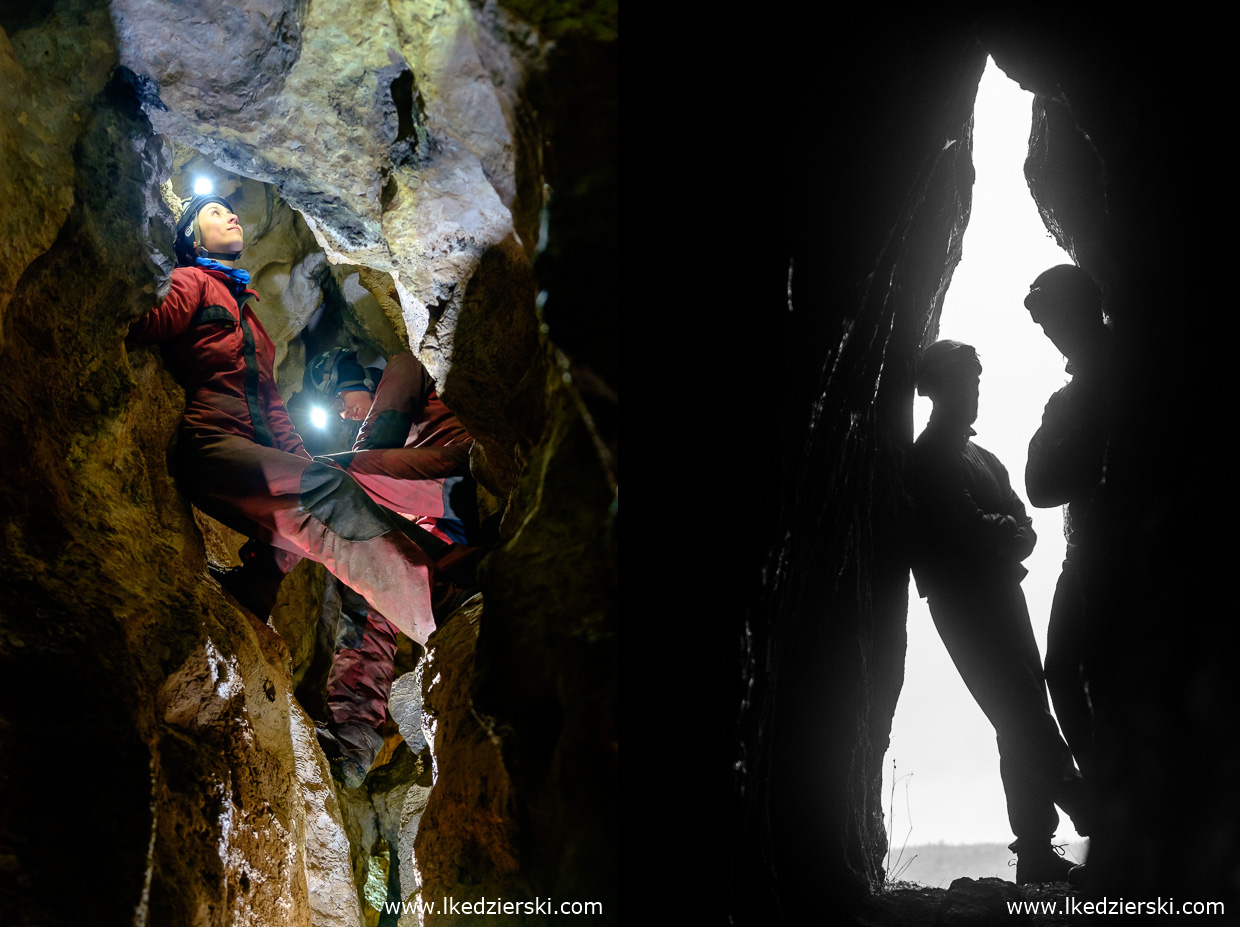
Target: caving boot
<point>455,580</point>
<point>460,564</point>
<point>1041,862</point>
<point>447,597</point>
<point>256,583</point>
<point>350,749</point>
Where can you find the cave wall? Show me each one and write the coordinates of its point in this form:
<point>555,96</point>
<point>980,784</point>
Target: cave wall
<point>404,141</point>
<point>825,646</point>
<point>839,231</point>
<point>189,807</point>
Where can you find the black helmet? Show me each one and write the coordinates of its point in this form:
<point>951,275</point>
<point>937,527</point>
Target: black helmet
<point>189,234</point>
<point>336,370</point>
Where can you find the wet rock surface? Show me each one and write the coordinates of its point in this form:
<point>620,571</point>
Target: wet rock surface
<point>332,894</point>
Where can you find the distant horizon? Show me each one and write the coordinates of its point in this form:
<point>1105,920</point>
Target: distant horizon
<point>982,843</point>
<point>936,864</point>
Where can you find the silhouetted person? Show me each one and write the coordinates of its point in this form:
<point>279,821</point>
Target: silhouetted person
<point>1065,467</point>
<point>972,533</point>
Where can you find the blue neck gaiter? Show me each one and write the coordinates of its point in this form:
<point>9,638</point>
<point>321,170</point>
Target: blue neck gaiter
<point>239,277</point>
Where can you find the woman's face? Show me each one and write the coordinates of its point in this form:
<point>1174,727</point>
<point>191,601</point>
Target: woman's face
<point>220,229</point>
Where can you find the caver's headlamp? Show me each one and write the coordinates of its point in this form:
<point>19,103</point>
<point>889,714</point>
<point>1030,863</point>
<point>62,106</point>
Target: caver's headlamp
<point>333,372</point>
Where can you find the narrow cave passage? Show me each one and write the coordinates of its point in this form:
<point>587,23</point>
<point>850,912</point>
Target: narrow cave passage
<point>392,172</point>
<point>939,735</point>
<point>315,309</point>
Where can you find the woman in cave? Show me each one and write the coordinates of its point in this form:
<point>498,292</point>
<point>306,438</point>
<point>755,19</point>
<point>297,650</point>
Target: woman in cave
<point>240,460</point>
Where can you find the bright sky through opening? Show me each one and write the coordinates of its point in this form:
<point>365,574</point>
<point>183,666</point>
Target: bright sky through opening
<point>939,734</point>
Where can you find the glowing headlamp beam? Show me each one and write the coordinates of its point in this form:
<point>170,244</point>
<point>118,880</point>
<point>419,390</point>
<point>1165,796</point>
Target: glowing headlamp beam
<point>203,185</point>
<point>318,417</point>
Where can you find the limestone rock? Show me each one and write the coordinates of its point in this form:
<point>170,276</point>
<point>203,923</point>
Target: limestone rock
<point>416,800</point>
<point>1064,175</point>
<point>466,840</point>
<point>383,288</point>
<point>495,381</point>
<point>366,318</point>
<point>405,706</point>
<point>295,615</point>
<point>227,709</point>
<point>103,576</point>
<point>220,542</point>
<point>332,893</point>
<point>325,104</point>
<point>567,625</point>
<point>379,831</point>
<point>513,49</point>
<point>49,75</point>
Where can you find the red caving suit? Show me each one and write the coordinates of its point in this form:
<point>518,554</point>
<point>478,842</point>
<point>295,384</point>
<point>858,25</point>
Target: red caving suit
<point>242,462</point>
<point>412,456</point>
<point>412,453</point>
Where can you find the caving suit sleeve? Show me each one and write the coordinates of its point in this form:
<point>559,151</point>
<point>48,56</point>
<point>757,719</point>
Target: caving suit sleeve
<point>172,316</point>
<point>283,433</point>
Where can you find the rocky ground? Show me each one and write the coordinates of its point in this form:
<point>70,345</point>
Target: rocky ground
<point>969,902</point>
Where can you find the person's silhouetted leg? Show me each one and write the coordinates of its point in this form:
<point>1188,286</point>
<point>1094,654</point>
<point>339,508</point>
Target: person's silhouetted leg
<point>1064,637</point>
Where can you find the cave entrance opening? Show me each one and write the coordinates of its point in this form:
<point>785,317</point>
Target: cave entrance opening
<point>939,734</point>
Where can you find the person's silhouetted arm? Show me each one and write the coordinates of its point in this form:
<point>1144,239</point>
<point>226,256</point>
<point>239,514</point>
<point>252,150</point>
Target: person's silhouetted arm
<point>949,511</point>
<point>1065,455</point>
